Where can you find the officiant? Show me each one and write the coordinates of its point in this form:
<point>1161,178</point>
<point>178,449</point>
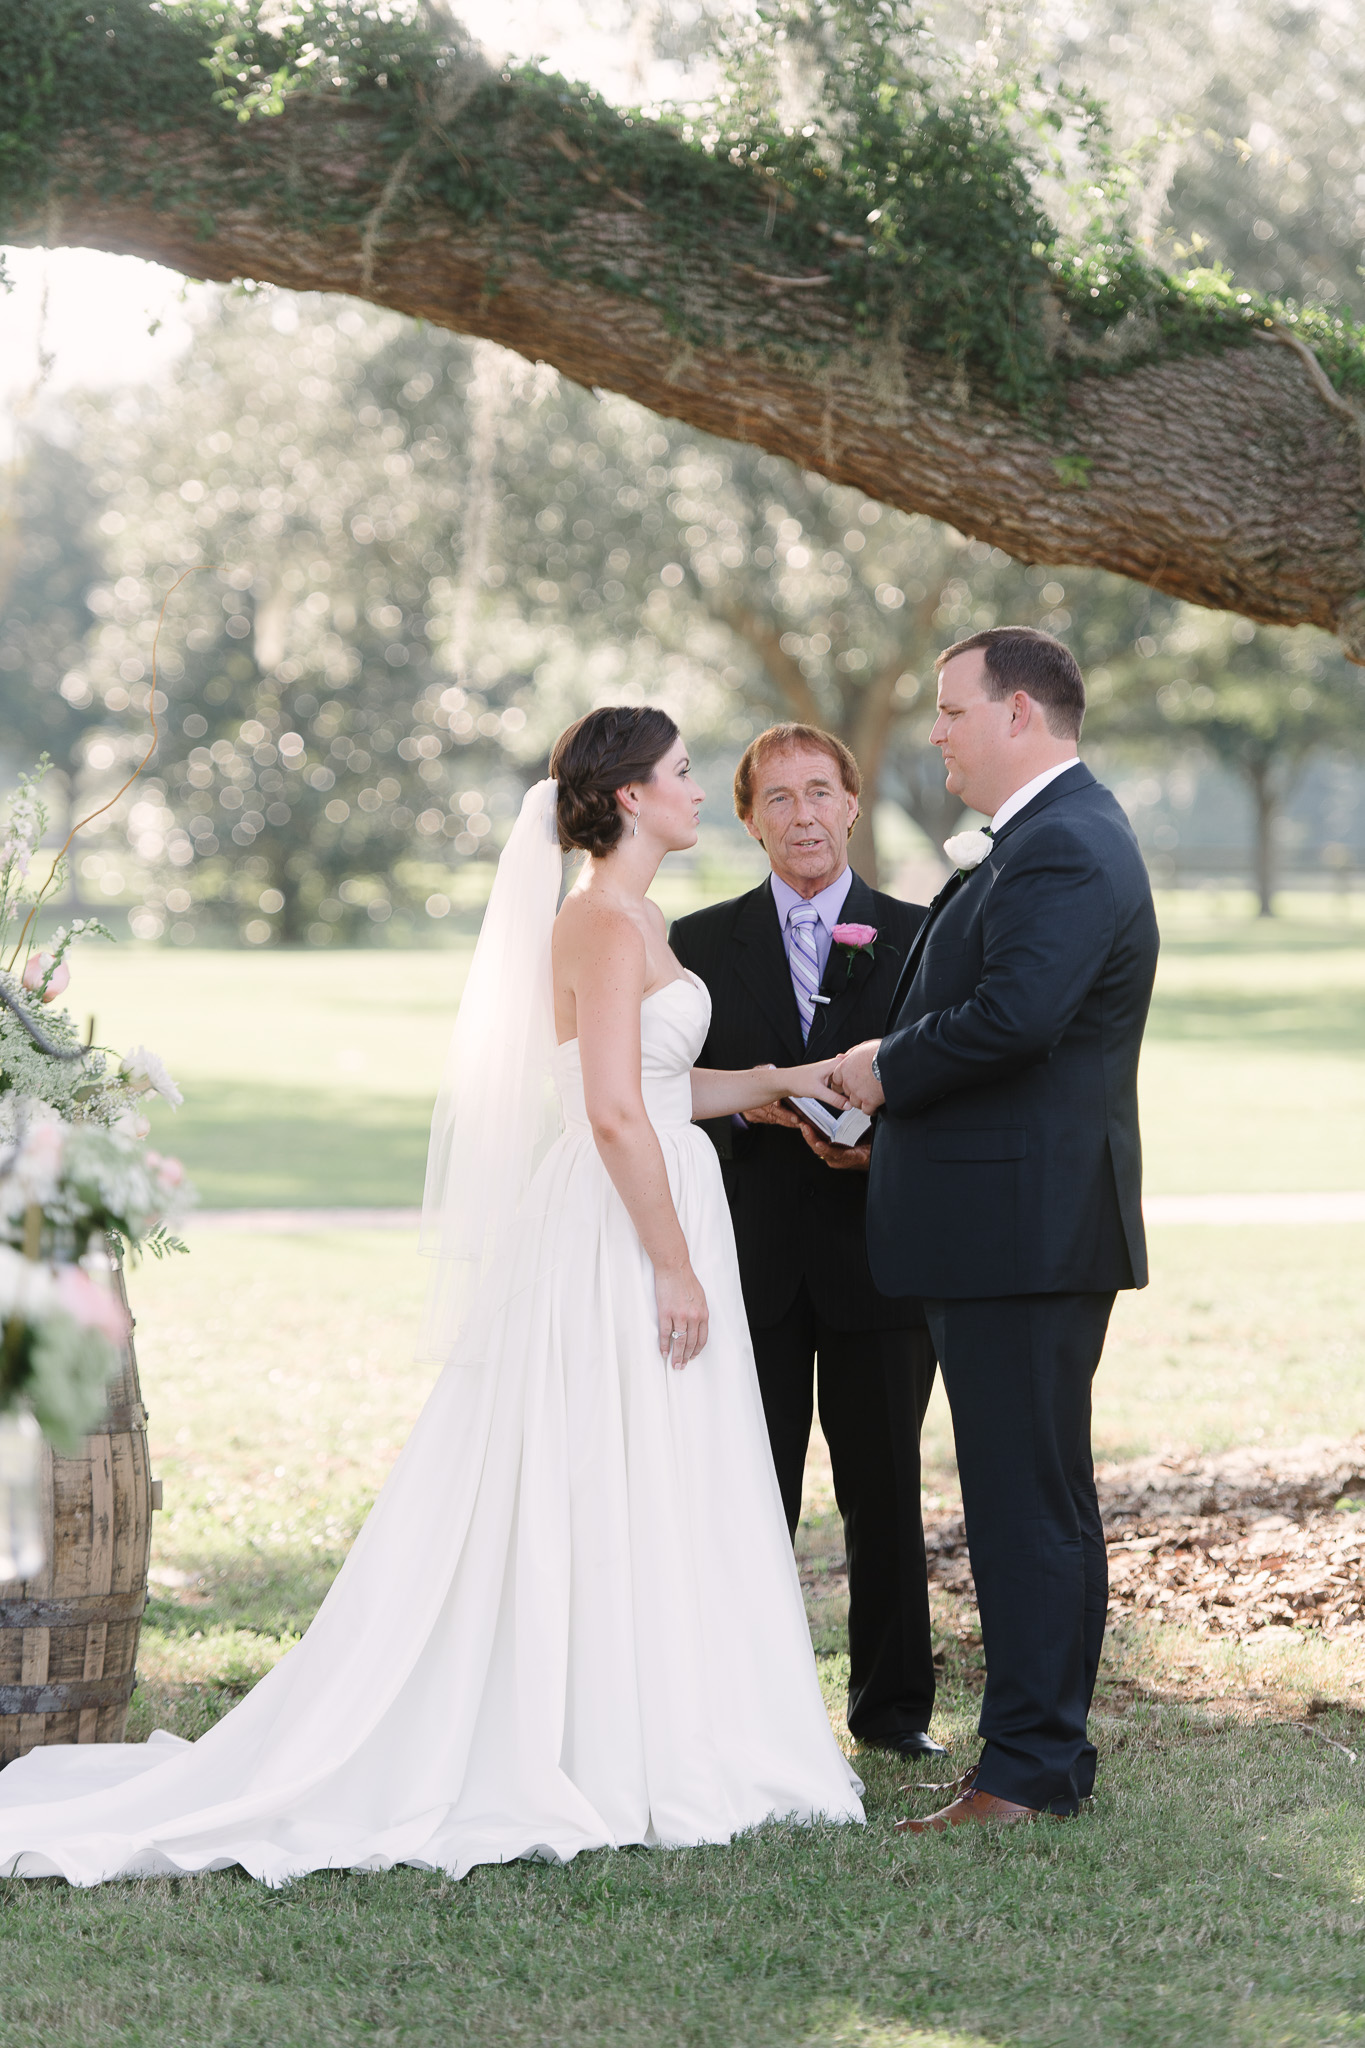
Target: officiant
<point>802,966</point>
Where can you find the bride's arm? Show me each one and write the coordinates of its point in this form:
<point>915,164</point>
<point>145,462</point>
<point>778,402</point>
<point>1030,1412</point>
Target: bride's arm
<point>717,1091</point>
<point>608,975</point>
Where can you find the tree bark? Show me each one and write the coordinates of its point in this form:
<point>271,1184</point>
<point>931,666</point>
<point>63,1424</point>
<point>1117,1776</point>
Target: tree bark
<point>1226,478</point>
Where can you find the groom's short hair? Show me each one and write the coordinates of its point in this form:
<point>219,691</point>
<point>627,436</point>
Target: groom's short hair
<point>779,739</point>
<point>1022,658</point>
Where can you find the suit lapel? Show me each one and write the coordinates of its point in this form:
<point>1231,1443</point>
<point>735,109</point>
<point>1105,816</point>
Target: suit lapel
<point>762,967</point>
<point>907,973</point>
<point>1075,780</point>
<point>846,974</point>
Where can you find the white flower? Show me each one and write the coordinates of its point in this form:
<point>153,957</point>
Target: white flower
<point>31,1164</point>
<point>967,850</point>
<point>143,1070</point>
<point>28,1290</point>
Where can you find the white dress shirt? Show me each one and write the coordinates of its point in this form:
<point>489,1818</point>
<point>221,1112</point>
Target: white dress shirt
<point>1014,804</point>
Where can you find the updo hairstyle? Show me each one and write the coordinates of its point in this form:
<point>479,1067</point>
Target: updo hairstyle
<point>595,757</point>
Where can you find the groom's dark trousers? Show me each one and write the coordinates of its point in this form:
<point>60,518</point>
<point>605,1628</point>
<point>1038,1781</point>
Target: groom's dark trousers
<point>801,1238</point>
<point>1006,1193</point>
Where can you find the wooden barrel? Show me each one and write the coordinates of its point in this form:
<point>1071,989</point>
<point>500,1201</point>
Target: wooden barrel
<point>68,1639</point>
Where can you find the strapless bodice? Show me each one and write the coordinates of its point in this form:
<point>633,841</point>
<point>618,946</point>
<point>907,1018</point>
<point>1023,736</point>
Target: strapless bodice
<point>674,1022</point>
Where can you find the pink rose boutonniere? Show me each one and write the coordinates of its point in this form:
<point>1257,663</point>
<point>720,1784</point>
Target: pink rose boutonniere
<point>855,938</point>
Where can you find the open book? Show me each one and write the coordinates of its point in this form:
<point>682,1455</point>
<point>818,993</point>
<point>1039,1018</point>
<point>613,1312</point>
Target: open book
<point>845,1129</point>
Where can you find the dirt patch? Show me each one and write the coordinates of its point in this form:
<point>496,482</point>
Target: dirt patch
<point>1229,1545</point>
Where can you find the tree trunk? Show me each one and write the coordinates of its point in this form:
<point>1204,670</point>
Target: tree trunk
<point>1264,799</point>
<point>918,786</point>
<point>293,918</point>
<point>1227,477</point>
<point>862,846</point>
<point>763,635</point>
<point>874,717</point>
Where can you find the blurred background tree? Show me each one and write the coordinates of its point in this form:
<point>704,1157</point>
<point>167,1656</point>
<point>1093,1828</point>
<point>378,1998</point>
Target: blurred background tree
<point>316,752</point>
<point>1258,701</point>
<point>1243,124</point>
<point>51,555</point>
<point>423,556</point>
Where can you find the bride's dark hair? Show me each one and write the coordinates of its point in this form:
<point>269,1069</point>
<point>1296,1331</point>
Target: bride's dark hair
<point>595,757</point>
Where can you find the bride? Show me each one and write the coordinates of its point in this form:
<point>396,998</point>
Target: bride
<point>572,1619</point>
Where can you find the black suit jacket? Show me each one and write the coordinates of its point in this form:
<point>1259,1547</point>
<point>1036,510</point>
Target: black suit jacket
<point>795,1218</point>
<point>1007,1159</point>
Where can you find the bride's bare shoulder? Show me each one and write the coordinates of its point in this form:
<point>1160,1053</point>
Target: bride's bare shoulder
<point>592,933</point>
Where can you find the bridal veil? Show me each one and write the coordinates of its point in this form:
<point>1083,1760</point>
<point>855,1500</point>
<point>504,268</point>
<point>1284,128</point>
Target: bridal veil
<point>497,1113</point>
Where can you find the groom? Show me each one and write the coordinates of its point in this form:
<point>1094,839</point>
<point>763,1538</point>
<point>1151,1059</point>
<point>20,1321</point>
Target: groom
<point>784,988</point>
<point>1006,1183</point>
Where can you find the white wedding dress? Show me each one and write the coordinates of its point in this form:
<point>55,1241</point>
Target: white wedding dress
<point>572,1620</point>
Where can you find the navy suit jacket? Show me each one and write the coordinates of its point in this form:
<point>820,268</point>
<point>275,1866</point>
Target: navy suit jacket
<point>1007,1159</point>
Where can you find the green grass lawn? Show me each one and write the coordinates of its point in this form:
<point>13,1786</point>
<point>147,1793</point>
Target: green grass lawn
<point>279,1376</point>
<point>309,1076</point>
<point>1214,1895</point>
<point>1253,1071</point>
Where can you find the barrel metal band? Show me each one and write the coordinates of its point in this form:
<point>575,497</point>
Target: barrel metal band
<point>64,1696</point>
<point>73,1613</point>
<point>120,1421</point>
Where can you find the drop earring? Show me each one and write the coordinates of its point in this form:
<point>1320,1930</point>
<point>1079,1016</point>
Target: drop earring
<point>635,828</point>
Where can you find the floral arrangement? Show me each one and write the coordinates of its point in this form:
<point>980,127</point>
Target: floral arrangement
<point>83,1181</point>
<point>67,1192</point>
<point>77,1180</point>
<point>42,1056</point>
<point>60,1336</point>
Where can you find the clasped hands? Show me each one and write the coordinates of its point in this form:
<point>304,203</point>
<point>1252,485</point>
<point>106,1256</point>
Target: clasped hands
<point>847,1079</point>
<point>851,1075</point>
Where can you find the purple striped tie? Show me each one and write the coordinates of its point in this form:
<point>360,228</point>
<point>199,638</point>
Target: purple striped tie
<point>805,961</point>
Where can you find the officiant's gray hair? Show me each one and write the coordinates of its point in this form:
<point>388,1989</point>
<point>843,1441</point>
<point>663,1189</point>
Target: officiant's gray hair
<point>1023,658</point>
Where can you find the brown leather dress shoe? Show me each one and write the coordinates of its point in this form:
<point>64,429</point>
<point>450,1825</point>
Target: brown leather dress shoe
<point>970,1805</point>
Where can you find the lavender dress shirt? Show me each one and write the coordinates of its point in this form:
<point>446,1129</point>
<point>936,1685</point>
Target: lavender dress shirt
<point>828,906</point>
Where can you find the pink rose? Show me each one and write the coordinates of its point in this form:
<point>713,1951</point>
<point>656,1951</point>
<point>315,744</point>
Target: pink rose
<point>856,935</point>
<point>170,1172</point>
<point>91,1304</point>
<point>40,964</point>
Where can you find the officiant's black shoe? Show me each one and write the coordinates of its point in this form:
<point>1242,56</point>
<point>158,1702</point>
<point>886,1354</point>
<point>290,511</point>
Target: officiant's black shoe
<point>914,1743</point>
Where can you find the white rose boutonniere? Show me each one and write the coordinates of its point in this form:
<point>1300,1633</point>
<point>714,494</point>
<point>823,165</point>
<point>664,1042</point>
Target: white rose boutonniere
<point>967,850</point>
